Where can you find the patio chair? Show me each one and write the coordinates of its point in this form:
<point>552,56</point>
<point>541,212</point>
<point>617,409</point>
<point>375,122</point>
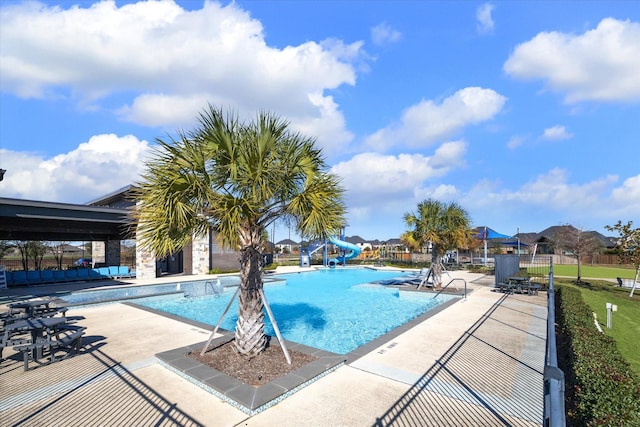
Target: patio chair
<point>123,272</point>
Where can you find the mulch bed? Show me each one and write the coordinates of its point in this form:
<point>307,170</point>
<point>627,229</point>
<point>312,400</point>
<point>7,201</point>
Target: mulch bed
<point>262,369</point>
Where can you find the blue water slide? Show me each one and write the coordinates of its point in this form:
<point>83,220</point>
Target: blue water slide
<point>355,249</point>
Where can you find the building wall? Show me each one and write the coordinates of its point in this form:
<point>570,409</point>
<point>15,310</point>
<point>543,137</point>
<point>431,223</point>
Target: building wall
<point>223,259</point>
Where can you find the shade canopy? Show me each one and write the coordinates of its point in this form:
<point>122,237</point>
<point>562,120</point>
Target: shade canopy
<point>486,233</point>
<point>514,244</point>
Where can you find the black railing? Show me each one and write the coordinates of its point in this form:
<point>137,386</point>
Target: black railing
<point>554,414</point>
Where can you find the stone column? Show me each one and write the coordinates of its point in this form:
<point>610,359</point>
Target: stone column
<point>145,264</point>
<point>113,252</point>
<point>199,255</point>
<point>98,253</point>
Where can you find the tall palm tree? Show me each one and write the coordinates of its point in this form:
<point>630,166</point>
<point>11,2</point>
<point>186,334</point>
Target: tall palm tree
<point>236,179</point>
<point>446,226</point>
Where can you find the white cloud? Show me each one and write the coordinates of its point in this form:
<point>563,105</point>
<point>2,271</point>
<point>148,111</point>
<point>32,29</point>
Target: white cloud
<point>428,122</point>
<point>602,64</point>
<point>372,177</point>
<point>515,141</point>
<point>553,195</point>
<point>170,62</point>
<point>383,34</point>
<point>556,133</point>
<point>99,166</point>
<point>483,16</point>
<point>626,199</point>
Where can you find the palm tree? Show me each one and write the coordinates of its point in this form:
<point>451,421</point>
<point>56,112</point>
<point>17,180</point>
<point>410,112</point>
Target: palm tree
<point>407,239</point>
<point>236,179</point>
<point>446,226</point>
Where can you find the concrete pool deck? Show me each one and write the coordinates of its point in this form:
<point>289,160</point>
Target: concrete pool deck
<point>479,362</point>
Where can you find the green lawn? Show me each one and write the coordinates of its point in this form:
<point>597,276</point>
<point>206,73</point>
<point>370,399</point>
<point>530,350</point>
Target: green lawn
<point>595,271</point>
<point>625,323</point>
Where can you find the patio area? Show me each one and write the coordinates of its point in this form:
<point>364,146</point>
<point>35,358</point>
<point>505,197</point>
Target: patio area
<point>479,362</point>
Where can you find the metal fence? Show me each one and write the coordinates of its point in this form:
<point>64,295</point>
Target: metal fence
<point>540,270</point>
<point>47,263</point>
<point>554,412</point>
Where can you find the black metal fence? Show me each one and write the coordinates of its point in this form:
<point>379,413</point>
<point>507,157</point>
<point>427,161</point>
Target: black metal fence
<point>540,270</point>
<point>554,410</point>
<point>50,263</point>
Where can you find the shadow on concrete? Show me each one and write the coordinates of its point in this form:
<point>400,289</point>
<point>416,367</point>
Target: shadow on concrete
<point>90,388</point>
<point>491,376</point>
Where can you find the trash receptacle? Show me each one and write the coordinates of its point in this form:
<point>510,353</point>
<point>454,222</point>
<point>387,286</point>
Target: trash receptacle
<point>304,261</point>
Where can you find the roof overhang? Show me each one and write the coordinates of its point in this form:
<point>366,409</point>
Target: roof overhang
<point>36,220</point>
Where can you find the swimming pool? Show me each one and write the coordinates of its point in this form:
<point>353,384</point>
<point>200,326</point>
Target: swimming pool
<point>337,310</point>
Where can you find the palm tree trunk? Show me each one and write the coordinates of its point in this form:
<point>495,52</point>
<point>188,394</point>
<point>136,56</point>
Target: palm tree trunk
<point>250,339</point>
<point>436,267</point>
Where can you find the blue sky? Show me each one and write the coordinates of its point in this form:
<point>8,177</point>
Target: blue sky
<point>525,113</point>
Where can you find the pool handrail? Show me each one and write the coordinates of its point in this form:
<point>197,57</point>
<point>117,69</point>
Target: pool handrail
<point>450,282</point>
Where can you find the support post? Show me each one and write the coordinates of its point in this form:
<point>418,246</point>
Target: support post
<point>275,326</point>
<point>215,330</point>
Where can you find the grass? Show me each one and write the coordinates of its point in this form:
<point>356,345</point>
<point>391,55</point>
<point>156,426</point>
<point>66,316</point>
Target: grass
<point>625,323</point>
<point>593,271</point>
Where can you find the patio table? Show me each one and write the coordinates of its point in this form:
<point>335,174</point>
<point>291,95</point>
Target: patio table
<point>29,307</point>
<point>518,283</point>
<point>38,328</point>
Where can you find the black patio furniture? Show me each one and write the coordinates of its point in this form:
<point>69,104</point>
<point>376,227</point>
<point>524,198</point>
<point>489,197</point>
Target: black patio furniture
<point>39,337</point>
<point>67,338</point>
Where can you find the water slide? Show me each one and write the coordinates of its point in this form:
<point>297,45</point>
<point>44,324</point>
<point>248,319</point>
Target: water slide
<point>355,250</point>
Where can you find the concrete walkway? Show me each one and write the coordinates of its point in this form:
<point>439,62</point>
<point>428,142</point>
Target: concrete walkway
<point>479,362</point>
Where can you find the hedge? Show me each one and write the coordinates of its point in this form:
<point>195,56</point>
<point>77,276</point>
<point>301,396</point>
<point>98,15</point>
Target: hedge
<point>601,388</point>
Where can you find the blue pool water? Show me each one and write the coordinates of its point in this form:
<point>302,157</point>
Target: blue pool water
<point>337,310</point>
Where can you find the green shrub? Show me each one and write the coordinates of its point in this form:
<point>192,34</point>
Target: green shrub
<point>601,388</point>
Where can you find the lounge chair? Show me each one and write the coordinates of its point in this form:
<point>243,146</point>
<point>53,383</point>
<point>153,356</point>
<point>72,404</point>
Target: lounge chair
<point>94,274</point>
<point>113,272</point>
<point>19,277</point>
<point>33,276</point>
<point>59,275</point>
<point>83,274</point>
<point>104,272</point>
<point>123,272</point>
<point>46,276</point>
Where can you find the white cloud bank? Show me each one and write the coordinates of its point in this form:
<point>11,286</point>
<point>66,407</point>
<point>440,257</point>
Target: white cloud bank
<point>601,65</point>
<point>99,166</point>
<point>428,122</point>
<point>551,194</point>
<point>160,64</point>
